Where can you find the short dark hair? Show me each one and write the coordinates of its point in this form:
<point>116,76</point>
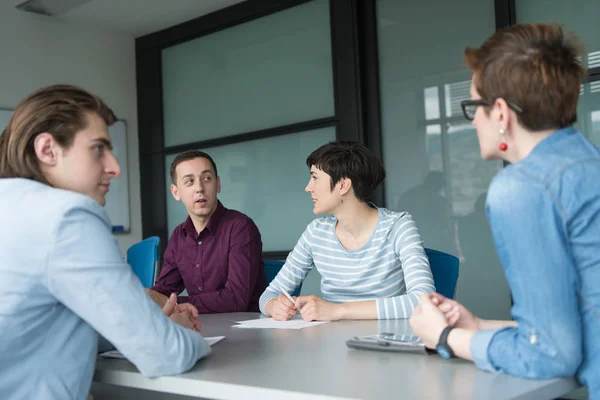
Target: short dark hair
<point>352,160</point>
<point>189,155</point>
<point>534,66</point>
<point>62,111</point>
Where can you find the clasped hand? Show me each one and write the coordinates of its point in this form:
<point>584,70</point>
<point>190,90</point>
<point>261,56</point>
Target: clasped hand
<point>434,313</point>
<point>311,308</point>
<point>184,314</point>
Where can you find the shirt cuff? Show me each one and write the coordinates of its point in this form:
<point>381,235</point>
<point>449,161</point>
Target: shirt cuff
<point>480,343</point>
<point>265,298</point>
<point>183,299</point>
<point>203,348</point>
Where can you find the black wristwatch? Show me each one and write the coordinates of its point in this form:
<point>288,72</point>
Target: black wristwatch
<point>442,348</point>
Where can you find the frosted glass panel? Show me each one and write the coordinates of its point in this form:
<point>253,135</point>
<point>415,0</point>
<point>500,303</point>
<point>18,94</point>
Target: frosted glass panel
<point>269,72</point>
<point>588,112</point>
<point>431,153</point>
<point>264,179</point>
<point>580,16</point>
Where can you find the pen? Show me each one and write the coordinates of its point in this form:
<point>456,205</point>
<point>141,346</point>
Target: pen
<point>290,298</point>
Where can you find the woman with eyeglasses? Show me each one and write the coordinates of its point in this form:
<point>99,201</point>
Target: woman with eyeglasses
<point>543,210</point>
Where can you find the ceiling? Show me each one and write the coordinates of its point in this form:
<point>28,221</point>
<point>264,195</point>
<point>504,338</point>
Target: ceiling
<point>135,17</point>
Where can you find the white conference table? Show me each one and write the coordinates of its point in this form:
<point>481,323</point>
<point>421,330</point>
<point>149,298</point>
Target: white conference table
<point>314,363</point>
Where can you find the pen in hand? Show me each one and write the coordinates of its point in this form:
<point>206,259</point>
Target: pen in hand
<point>290,299</point>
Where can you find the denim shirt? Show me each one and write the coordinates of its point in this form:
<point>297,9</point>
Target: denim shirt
<point>544,212</point>
<point>63,282</point>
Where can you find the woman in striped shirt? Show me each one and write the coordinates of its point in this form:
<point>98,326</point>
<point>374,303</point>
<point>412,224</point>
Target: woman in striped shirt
<point>371,260</point>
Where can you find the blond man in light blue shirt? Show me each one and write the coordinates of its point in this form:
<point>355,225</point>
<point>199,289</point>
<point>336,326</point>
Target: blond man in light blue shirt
<point>63,276</point>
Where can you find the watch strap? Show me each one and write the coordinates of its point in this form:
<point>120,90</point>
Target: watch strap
<point>444,339</point>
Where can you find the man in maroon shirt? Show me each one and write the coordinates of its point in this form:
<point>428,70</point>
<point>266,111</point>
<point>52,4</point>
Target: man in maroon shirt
<point>216,253</point>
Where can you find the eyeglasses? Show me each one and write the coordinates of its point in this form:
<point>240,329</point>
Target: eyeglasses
<point>469,107</point>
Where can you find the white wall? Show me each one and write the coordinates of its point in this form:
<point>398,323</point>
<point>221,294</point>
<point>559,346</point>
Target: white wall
<point>37,51</point>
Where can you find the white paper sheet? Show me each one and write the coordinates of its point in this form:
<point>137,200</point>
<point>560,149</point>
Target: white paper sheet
<point>270,323</point>
<point>117,354</point>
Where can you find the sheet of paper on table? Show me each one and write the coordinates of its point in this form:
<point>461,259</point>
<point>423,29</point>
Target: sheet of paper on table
<point>117,354</point>
<point>270,323</point>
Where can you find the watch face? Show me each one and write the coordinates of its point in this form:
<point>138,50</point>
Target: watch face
<point>443,352</point>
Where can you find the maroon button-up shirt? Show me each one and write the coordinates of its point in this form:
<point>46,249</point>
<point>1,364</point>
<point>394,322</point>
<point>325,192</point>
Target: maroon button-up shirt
<point>221,268</point>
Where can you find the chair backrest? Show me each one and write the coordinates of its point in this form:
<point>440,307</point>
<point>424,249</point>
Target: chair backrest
<point>444,268</point>
<point>272,268</point>
<point>143,258</point>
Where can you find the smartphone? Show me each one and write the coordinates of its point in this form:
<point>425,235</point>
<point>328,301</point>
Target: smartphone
<point>389,342</point>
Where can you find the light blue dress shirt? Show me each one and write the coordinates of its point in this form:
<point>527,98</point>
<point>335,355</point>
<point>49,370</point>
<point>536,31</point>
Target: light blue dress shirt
<point>544,212</point>
<point>63,279</point>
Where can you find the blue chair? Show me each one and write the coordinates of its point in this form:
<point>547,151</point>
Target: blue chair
<point>143,258</point>
<point>272,268</point>
<point>444,268</point>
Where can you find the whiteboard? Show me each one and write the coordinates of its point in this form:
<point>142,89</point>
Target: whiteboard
<point>117,199</point>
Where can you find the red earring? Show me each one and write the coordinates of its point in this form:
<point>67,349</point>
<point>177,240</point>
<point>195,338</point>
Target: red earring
<point>503,146</point>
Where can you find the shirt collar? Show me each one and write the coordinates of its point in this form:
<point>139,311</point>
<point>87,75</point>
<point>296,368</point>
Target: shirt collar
<point>555,137</point>
<point>212,224</point>
<point>215,219</point>
<point>188,227</point>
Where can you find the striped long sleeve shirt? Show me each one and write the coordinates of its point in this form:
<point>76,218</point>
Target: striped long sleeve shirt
<point>391,268</point>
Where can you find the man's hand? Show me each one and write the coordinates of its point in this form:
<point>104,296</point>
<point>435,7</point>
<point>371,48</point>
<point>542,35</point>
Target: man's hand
<point>171,307</point>
<point>186,320</point>
<point>185,315</point>
<point>314,308</point>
